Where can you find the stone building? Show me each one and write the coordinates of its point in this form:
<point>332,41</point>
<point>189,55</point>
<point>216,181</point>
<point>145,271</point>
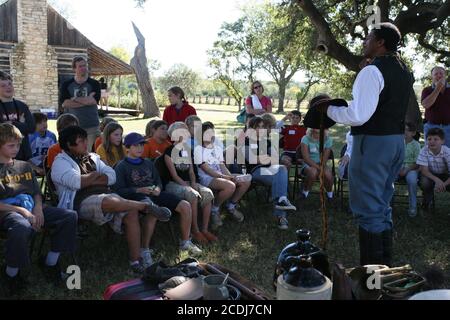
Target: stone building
<point>37,46</point>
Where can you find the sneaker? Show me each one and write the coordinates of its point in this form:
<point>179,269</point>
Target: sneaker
<point>208,235</point>
<point>192,248</point>
<point>283,223</point>
<point>236,214</point>
<point>137,268</point>
<point>53,274</point>
<point>147,259</point>
<point>216,221</point>
<point>161,213</point>
<point>284,205</point>
<point>198,236</point>
<point>412,213</point>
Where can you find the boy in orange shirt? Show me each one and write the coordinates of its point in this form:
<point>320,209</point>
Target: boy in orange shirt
<point>65,120</point>
<point>158,143</point>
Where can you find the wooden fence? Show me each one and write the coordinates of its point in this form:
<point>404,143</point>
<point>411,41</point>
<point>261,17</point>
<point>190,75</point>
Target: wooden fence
<point>229,101</point>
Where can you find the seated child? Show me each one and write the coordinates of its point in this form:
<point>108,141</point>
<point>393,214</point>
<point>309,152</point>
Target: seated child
<point>111,150</point>
<point>194,123</point>
<point>40,141</point>
<point>409,170</point>
<point>214,174</point>
<point>102,126</point>
<point>83,183</point>
<point>311,157</point>
<point>237,150</point>
<point>259,164</point>
<point>22,214</point>
<point>292,136</point>
<point>434,163</point>
<point>138,179</point>
<point>158,143</point>
<point>65,120</point>
<point>149,129</point>
<point>177,173</point>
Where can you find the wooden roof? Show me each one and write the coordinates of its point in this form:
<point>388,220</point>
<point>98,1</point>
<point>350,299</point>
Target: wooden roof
<point>62,34</point>
<point>103,63</point>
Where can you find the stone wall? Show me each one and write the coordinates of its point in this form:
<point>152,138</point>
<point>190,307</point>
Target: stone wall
<point>34,63</point>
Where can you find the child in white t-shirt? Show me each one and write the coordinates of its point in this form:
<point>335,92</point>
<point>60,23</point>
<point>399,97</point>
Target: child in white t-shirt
<point>214,174</point>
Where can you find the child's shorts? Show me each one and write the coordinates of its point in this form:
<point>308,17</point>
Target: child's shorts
<point>91,209</point>
<point>204,194</point>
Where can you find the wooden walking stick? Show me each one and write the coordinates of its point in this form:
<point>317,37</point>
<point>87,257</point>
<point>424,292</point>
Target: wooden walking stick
<point>316,118</point>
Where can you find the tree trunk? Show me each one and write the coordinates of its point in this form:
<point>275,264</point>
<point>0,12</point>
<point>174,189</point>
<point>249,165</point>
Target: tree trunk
<point>139,65</point>
<point>281,95</point>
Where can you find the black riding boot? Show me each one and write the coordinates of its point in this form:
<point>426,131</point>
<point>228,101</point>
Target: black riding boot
<point>387,247</point>
<point>370,247</point>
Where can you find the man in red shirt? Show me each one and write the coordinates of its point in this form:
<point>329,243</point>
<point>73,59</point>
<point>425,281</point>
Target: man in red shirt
<point>292,136</point>
<point>179,108</point>
<point>436,101</point>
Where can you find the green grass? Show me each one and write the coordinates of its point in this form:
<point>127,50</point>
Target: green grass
<point>251,248</point>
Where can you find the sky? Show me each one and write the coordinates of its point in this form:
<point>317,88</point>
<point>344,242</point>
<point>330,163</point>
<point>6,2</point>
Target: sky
<point>176,31</point>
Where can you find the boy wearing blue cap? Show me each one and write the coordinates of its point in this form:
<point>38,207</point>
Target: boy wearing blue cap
<point>138,179</point>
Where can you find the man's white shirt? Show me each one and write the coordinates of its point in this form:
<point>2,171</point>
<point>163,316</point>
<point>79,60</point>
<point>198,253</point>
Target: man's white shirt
<point>366,92</point>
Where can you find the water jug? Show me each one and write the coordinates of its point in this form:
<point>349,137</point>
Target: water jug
<point>303,281</point>
<point>302,246</point>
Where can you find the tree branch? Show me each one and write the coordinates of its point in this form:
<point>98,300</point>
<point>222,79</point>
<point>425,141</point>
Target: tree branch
<point>327,42</point>
<point>422,17</point>
<point>384,10</point>
<point>432,48</point>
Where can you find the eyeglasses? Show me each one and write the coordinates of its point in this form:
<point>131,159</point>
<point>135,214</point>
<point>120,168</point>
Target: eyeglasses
<point>257,87</point>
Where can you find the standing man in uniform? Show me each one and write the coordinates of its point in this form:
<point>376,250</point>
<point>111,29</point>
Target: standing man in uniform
<point>80,96</point>
<point>381,94</point>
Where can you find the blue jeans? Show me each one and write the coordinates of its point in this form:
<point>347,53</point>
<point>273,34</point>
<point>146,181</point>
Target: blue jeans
<point>62,238</point>
<point>374,166</point>
<point>446,129</point>
<point>277,177</point>
<point>411,180</point>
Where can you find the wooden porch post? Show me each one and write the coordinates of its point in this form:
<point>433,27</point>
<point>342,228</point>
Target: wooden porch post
<point>120,93</point>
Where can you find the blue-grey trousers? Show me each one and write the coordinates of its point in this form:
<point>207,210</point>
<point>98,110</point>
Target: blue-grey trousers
<point>374,166</point>
<point>63,225</point>
<point>277,177</point>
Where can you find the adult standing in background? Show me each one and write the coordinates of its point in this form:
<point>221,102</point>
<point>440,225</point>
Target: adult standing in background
<point>80,96</point>
<point>179,108</point>
<point>257,103</point>
<point>16,113</point>
<point>436,101</point>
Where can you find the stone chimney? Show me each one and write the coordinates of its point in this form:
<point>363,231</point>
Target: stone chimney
<point>34,62</point>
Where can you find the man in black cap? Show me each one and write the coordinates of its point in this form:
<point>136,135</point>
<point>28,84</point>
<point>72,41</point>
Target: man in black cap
<point>381,94</point>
